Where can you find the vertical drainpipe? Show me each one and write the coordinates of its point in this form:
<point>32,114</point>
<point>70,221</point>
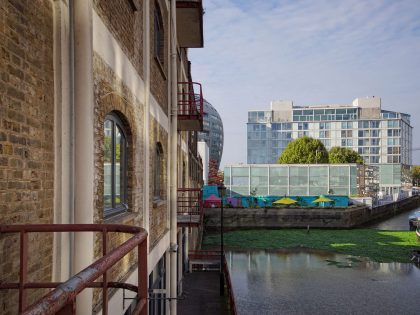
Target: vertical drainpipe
<point>71,111</point>
<point>63,117</point>
<point>146,69</point>
<point>173,158</point>
<point>84,175</point>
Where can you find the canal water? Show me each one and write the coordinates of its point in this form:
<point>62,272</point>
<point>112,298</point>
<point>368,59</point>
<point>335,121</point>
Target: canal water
<point>315,282</point>
<point>398,222</point>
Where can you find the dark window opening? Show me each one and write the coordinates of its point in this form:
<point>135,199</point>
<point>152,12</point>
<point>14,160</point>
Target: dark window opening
<point>115,166</point>
<point>157,289</point>
<point>159,36</point>
<point>158,172</point>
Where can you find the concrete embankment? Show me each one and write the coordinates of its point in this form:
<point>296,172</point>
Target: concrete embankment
<point>247,218</point>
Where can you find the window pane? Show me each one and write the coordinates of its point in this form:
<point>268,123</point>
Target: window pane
<point>240,181</point>
<point>278,171</point>
<point>157,170</point>
<point>107,163</point>
<point>118,165</point>
<point>259,171</point>
<point>240,171</point>
<point>278,190</point>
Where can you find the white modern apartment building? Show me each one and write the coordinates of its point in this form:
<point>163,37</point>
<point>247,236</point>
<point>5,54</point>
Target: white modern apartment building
<point>379,136</point>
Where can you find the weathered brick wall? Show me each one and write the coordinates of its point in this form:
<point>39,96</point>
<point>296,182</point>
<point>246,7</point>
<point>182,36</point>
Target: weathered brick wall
<point>158,209</point>
<point>126,24</point>
<point>158,71</point>
<point>26,138</point>
<point>111,95</point>
<point>183,168</point>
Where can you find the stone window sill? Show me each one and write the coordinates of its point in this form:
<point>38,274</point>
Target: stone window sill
<point>158,202</point>
<point>121,218</point>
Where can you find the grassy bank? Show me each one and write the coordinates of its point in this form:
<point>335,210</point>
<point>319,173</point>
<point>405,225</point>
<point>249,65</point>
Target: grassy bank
<point>377,245</point>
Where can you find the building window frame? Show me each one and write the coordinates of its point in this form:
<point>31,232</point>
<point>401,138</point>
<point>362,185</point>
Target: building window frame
<point>118,178</point>
<point>159,36</point>
<point>158,185</point>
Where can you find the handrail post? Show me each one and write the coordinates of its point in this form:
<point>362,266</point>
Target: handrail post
<point>105,275</point>
<point>69,309</point>
<point>142,275</point>
<point>23,272</point>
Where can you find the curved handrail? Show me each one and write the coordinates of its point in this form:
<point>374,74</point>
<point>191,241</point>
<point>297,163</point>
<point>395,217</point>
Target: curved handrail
<point>64,294</point>
<point>70,228</point>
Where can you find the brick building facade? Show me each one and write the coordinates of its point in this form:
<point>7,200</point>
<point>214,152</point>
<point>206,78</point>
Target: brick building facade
<point>80,81</point>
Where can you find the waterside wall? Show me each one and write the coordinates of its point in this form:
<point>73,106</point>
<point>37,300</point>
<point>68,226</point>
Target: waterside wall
<point>247,218</point>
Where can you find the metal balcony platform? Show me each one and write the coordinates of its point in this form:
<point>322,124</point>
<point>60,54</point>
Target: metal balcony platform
<point>190,207</point>
<point>190,106</point>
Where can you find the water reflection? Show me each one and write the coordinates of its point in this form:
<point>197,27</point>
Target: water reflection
<point>303,282</point>
<point>398,222</point>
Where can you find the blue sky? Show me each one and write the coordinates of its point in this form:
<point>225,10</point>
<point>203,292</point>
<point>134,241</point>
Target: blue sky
<point>310,52</point>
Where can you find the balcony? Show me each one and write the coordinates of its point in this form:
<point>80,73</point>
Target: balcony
<point>189,23</point>
<point>190,207</point>
<point>190,106</point>
<point>62,298</point>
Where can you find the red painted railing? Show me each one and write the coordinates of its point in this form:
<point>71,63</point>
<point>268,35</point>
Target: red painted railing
<point>190,101</point>
<point>62,299</point>
<point>204,254</point>
<point>190,206</point>
<point>208,255</point>
<point>229,288</point>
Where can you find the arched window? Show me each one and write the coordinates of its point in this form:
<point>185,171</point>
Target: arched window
<point>115,166</point>
<point>159,35</point>
<point>158,173</point>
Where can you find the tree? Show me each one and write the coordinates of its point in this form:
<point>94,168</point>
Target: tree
<point>215,176</point>
<point>340,155</point>
<point>415,173</point>
<point>304,150</point>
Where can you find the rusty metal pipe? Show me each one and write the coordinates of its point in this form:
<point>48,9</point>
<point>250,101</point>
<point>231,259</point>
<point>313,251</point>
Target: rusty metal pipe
<point>23,272</point>
<point>64,294</point>
<point>62,298</point>
<point>70,228</point>
<point>52,285</point>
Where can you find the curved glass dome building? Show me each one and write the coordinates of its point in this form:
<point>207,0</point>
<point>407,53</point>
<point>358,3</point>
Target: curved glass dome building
<point>212,132</point>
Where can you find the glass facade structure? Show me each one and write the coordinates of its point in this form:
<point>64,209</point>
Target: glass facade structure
<point>212,132</point>
<point>379,136</point>
<point>291,179</point>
